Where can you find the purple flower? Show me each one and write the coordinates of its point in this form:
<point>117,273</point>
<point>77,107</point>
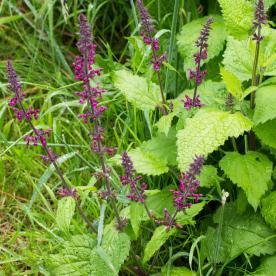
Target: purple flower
<point>137,192</point>
<point>188,185</point>
<point>50,157</point>
<point>202,44</point>
<point>188,102</point>
<point>147,30</point>
<point>168,220</point>
<point>260,18</point>
<point>85,71</point>
<point>65,192</point>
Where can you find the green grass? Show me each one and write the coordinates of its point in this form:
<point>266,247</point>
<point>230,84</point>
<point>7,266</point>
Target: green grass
<point>40,37</point>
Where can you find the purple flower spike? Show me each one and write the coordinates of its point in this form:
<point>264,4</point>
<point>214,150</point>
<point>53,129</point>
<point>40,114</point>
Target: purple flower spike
<point>202,44</point>
<point>137,192</point>
<point>259,20</point>
<point>147,33</point>
<point>189,104</point>
<point>188,185</point>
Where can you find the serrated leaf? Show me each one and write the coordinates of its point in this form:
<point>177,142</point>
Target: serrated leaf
<point>186,217</point>
<point>240,234</point>
<point>147,163</point>
<point>233,84</point>
<point>212,94</point>
<point>251,172</point>
<point>154,156</point>
<point>267,132</point>
<point>237,58</point>
<point>159,237</point>
<point>190,33</point>
<point>205,132</point>
<point>267,267</point>
<point>268,209</point>
<point>239,55</point>
<point>265,104</point>
<point>164,123</point>
<point>137,213</point>
<point>65,212</point>
<point>81,256</point>
<point>141,92</point>
<point>116,245</point>
<point>238,16</point>
<point>208,176</point>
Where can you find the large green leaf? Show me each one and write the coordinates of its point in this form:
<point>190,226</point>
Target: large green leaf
<point>238,16</point>
<point>81,256</point>
<point>65,212</point>
<point>251,172</point>
<point>208,176</point>
<point>205,132</point>
<point>137,215</point>
<point>239,58</point>
<point>267,132</point>
<point>154,156</point>
<point>212,94</point>
<point>265,104</point>
<point>147,163</point>
<point>268,209</point>
<point>267,267</point>
<point>190,33</point>
<point>159,237</point>
<point>233,84</point>
<point>246,233</point>
<point>239,55</point>
<point>143,93</point>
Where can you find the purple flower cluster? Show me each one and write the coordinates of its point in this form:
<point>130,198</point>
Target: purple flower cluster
<point>21,113</point>
<point>65,192</point>
<point>260,18</point>
<point>188,102</point>
<point>147,35</point>
<point>168,220</point>
<point>84,71</point>
<point>202,54</point>
<point>188,185</point>
<point>137,192</point>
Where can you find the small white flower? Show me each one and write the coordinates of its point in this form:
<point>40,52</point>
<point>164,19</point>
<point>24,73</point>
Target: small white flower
<point>224,196</point>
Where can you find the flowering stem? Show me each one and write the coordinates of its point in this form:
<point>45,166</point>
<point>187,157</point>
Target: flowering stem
<point>254,73</point>
<point>198,70</point>
<point>53,161</point>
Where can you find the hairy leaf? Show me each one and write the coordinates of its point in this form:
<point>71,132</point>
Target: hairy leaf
<point>205,132</point>
<point>147,163</point>
<point>268,209</point>
<point>238,58</point>
<point>65,212</point>
<point>137,214</point>
<point>154,156</point>
<point>246,233</point>
<point>158,238</point>
<point>265,104</point>
<point>208,176</point>
<point>267,132</point>
<point>251,172</point>
<point>82,257</point>
<point>238,16</point>
<point>267,267</point>
<point>190,33</point>
<point>233,84</point>
<point>144,94</point>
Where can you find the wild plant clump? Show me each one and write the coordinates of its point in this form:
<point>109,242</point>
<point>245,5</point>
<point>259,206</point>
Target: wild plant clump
<point>160,161</point>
